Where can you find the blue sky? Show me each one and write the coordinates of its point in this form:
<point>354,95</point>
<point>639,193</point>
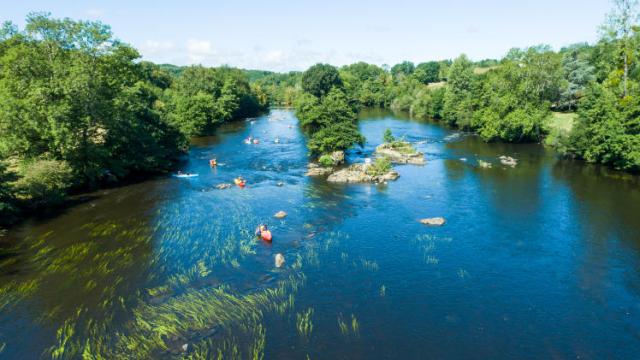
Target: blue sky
<point>292,35</point>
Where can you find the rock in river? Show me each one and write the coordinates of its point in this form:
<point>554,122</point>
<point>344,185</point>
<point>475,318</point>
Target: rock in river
<point>508,161</point>
<point>356,173</point>
<point>314,169</point>
<point>280,214</point>
<point>223,186</point>
<point>436,221</point>
<point>337,157</point>
<point>279,260</point>
<point>401,152</point>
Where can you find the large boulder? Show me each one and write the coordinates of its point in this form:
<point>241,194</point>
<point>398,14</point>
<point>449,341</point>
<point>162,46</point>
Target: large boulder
<point>401,153</point>
<point>314,169</point>
<point>280,214</point>
<point>357,173</point>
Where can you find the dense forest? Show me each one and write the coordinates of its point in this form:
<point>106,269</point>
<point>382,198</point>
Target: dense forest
<point>78,108</point>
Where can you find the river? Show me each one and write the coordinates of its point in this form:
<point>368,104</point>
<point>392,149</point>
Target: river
<point>537,261</point>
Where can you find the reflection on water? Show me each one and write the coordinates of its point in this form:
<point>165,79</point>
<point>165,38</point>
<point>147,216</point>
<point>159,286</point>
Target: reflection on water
<point>541,260</point>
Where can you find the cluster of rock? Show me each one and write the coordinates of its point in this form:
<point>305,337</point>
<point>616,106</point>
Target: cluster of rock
<point>398,157</point>
<point>223,186</point>
<point>357,173</point>
<point>314,169</point>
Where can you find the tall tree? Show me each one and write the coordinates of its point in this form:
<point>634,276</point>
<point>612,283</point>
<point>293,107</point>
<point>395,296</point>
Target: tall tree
<point>619,25</point>
<point>458,99</point>
<point>319,79</point>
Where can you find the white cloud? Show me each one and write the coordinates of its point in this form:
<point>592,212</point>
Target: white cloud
<point>199,51</point>
<point>152,47</point>
<point>94,13</point>
<point>299,56</point>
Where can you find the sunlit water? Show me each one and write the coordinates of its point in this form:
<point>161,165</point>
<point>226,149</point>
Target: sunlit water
<point>537,261</point>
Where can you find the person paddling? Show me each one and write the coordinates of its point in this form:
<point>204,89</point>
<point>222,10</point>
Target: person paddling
<point>263,232</point>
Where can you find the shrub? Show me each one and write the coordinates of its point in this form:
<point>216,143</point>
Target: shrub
<point>388,136</point>
<point>380,166</point>
<point>326,160</point>
<point>45,182</point>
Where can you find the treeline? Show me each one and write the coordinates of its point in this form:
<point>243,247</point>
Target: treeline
<point>512,99</point>
<point>77,109</point>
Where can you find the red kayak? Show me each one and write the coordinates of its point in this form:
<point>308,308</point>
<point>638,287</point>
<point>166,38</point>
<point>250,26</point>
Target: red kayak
<point>265,235</point>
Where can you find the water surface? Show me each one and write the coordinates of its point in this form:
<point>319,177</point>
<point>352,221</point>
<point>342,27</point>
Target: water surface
<point>537,261</point>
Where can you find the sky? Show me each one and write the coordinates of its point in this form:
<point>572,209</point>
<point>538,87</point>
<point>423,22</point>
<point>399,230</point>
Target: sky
<point>281,35</point>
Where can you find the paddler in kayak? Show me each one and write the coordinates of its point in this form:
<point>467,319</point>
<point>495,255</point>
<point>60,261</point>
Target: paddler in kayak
<point>213,163</point>
<point>263,232</point>
<point>240,181</point>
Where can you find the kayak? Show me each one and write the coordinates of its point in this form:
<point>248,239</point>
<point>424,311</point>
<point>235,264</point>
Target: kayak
<point>266,235</point>
<point>185,175</point>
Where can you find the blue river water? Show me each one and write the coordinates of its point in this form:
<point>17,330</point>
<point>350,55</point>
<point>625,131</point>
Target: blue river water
<point>541,260</point>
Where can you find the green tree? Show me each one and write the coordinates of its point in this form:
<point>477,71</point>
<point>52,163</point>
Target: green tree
<point>427,72</point>
<point>388,136</point>
<point>607,130</point>
<point>329,123</point>
<point>619,26</point>
<point>458,98</point>
<point>44,182</point>
<point>405,68</point>
<point>319,79</point>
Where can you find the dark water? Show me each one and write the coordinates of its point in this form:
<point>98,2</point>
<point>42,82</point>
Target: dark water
<point>537,261</point>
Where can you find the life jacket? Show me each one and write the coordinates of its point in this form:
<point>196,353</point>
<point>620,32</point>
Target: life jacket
<point>266,235</point>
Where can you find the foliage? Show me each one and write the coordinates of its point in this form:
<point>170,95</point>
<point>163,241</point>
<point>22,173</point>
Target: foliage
<point>329,122</point>
<point>427,72</point>
<point>202,98</point>
<point>403,147</point>
<point>607,129</point>
<point>458,97</point>
<point>379,167</point>
<point>7,199</point>
<point>388,136</point>
<point>325,160</point>
<point>403,69</point>
<point>319,79</point>
<point>44,181</point>
<point>73,93</point>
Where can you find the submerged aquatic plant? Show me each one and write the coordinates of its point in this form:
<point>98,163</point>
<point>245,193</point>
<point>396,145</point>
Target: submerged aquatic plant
<point>369,265</point>
<point>355,326</point>
<point>344,328</point>
<point>304,323</point>
<point>383,291</point>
